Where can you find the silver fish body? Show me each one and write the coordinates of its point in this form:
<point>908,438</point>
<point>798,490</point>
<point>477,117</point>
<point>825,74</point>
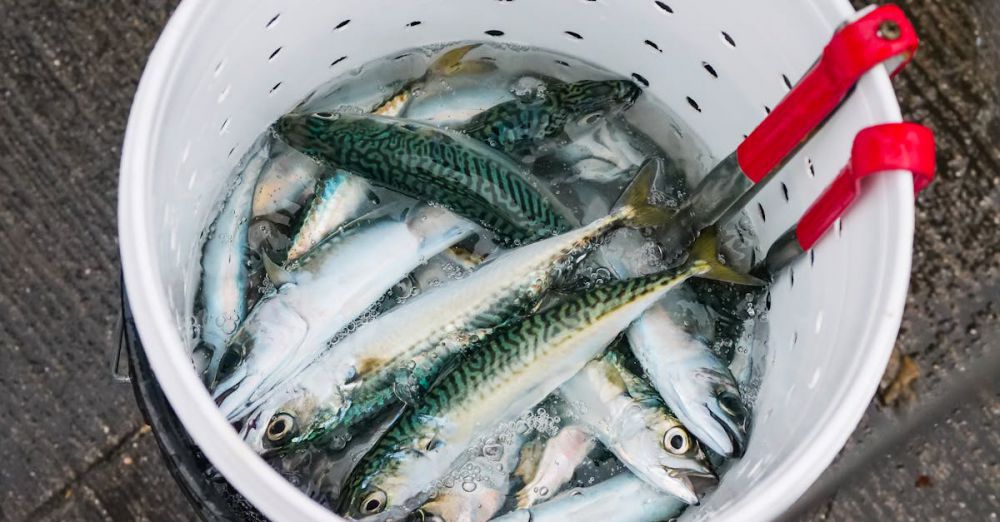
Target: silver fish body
<point>636,427</point>
<point>329,288</point>
<point>696,385</point>
<point>513,370</point>
<point>600,152</point>
<point>479,488</point>
<point>225,278</point>
<point>560,458</point>
<point>285,183</point>
<point>337,200</point>
<point>622,498</point>
<point>428,328</point>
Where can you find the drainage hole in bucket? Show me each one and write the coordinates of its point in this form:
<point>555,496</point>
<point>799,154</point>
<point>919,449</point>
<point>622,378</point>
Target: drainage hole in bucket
<point>574,35</point>
<point>274,54</point>
<point>711,70</point>
<point>795,338</point>
<point>788,83</point>
<point>811,167</point>
<point>767,110</point>
<point>224,127</point>
<point>272,21</point>
<point>694,105</point>
<point>338,60</point>
<point>273,89</point>
<point>218,68</point>
<point>564,64</point>
<point>812,257</point>
<point>760,210</point>
<point>495,32</point>
<point>840,227</point>
<point>664,6</point>
<point>653,45</point>
<point>784,191</point>
<point>232,150</point>
<point>729,39</point>
<point>224,94</point>
<point>414,23</point>
<point>791,278</point>
<point>341,25</point>
<point>641,79</point>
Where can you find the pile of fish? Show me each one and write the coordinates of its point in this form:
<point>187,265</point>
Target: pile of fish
<point>398,326</point>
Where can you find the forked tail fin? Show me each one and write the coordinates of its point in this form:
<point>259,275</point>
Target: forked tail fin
<point>635,202</point>
<point>706,249</point>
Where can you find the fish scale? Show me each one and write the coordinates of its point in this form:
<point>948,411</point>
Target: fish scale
<point>509,372</point>
<point>427,332</point>
<point>432,164</point>
<point>518,123</point>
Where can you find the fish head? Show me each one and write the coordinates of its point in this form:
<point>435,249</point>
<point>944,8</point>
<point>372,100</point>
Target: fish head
<point>458,504</point>
<point>665,454</point>
<point>594,98</point>
<point>297,419</point>
<point>316,134</point>
<point>712,407</point>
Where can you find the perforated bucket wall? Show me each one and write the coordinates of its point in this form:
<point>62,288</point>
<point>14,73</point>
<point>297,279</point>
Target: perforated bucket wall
<point>223,70</point>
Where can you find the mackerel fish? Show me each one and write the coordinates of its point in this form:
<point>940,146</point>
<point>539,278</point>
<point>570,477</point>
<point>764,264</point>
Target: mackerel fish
<point>629,419</point>
<point>514,369</point>
<point>402,353</point>
<point>324,291</point>
<point>434,165</point>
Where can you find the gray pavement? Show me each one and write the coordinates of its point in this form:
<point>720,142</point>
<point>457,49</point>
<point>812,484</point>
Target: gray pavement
<point>76,448</point>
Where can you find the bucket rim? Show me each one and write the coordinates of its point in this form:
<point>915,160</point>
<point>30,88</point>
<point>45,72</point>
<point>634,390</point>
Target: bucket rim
<point>280,500</point>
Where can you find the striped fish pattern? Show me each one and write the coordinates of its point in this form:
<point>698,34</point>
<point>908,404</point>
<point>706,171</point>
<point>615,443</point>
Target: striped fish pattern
<point>513,369</point>
<point>434,165</point>
<point>513,125</point>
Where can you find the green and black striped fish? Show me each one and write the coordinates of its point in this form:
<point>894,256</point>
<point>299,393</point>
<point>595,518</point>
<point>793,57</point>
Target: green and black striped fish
<point>514,369</point>
<point>435,165</point>
<point>513,125</point>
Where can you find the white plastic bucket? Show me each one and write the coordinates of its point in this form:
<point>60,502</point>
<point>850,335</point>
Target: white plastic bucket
<point>223,70</point>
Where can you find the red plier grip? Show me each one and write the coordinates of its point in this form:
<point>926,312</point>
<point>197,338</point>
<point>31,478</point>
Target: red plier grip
<point>882,36</point>
<point>882,148</point>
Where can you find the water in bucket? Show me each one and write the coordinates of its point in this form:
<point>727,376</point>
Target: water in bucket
<point>342,311</point>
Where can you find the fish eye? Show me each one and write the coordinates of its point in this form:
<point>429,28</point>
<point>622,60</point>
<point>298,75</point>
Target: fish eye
<point>423,516</point>
<point>279,428</point>
<point>677,440</point>
<point>373,503</point>
<point>732,405</point>
<point>230,361</point>
<point>326,115</point>
<point>592,118</point>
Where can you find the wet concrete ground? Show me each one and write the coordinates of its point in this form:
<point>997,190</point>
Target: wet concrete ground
<point>76,448</point>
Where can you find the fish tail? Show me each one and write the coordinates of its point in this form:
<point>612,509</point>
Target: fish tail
<point>705,250</point>
<point>634,205</point>
<point>277,273</point>
<point>450,62</point>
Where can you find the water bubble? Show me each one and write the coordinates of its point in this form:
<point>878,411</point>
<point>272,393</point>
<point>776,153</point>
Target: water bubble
<point>468,487</point>
<point>493,451</point>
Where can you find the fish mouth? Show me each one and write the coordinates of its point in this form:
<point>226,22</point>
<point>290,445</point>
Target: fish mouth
<point>682,487</point>
<point>735,431</point>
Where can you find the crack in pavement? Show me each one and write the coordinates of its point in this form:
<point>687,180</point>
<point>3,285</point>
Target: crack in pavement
<point>53,500</point>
